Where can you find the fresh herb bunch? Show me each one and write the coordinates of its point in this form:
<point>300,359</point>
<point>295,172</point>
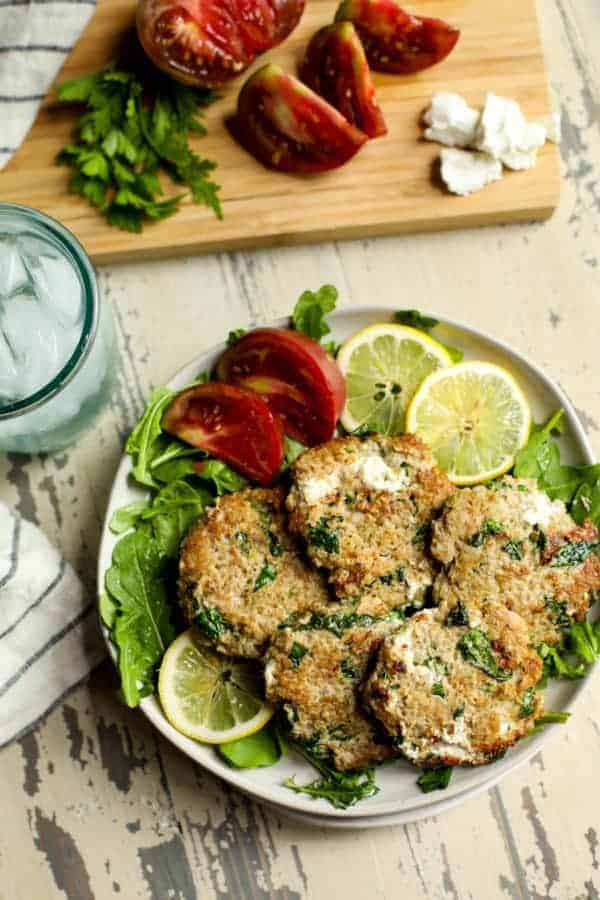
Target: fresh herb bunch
<point>135,125</point>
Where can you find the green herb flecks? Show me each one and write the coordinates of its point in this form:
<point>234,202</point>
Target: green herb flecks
<point>573,554</point>
<point>435,779</point>
<point>514,549</point>
<point>458,712</point>
<point>528,704</point>
<point>338,623</point>
<point>211,622</point>
<point>348,670</point>
<point>438,689</point>
<point>476,649</point>
<point>267,574</point>
<point>135,126</point>
<point>275,545</point>
<point>243,542</point>
<point>324,536</point>
<point>422,534</point>
<point>297,654</point>
<point>489,529</point>
<point>458,617</point>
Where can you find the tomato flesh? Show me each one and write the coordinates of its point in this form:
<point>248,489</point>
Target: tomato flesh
<point>336,67</point>
<point>207,42</point>
<point>396,41</point>
<point>231,423</point>
<point>287,126</point>
<point>301,383</point>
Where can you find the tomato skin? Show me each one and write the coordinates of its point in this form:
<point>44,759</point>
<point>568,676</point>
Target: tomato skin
<point>231,423</point>
<point>396,41</point>
<point>300,381</point>
<point>287,126</point>
<point>336,67</point>
<point>204,43</point>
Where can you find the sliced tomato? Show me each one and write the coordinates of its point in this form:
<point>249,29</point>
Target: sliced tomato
<point>396,41</point>
<point>300,381</point>
<point>335,66</point>
<point>287,126</point>
<point>207,42</point>
<point>231,423</point>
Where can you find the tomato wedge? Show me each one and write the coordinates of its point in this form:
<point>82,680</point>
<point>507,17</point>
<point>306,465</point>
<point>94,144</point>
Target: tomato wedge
<point>231,423</point>
<point>288,127</point>
<point>300,381</point>
<point>396,41</point>
<point>335,66</point>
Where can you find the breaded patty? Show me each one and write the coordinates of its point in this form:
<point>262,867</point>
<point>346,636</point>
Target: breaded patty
<point>511,543</point>
<point>315,672</point>
<point>240,573</point>
<point>453,693</point>
<point>363,508</point>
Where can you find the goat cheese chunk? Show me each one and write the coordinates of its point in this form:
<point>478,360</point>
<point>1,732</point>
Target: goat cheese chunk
<point>501,128</point>
<point>451,120</point>
<point>553,126</point>
<point>465,172</point>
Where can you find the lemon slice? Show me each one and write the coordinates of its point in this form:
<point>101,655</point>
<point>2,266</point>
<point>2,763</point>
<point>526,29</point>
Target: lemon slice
<point>383,366</point>
<point>208,697</point>
<point>474,417</point>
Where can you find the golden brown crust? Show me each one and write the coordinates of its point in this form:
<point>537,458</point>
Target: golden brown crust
<point>377,558</point>
<point>241,562</point>
<point>445,709</point>
<point>518,564</point>
<point>315,676</point>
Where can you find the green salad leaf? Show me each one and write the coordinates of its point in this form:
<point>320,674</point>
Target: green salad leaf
<point>143,442</point>
<point>142,628</point>
<point>311,311</point>
<point>291,451</point>
<point>342,789</point>
<point>435,779</point>
<point>264,748</point>
<point>223,479</point>
<point>577,486</point>
<point>412,318</point>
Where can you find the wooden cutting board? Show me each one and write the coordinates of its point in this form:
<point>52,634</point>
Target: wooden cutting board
<point>390,187</point>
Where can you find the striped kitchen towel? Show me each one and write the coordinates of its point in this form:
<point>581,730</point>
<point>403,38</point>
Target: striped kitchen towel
<point>35,38</point>
<point>49,635</point>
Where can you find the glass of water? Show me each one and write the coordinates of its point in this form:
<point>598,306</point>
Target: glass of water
<point>56,335</point>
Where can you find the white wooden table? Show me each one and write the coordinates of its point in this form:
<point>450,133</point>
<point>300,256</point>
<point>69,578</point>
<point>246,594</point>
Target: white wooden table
<point>94,803</point>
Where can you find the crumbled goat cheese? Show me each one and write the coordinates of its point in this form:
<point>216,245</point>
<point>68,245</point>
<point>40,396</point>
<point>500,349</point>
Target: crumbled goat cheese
<point>314,489</point>
<point>376,474</point>
<point>464,173</point>
<point>451,120</point>
<point>540,510</point>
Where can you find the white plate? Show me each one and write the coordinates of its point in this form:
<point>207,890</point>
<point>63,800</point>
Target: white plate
<point>399,799</point>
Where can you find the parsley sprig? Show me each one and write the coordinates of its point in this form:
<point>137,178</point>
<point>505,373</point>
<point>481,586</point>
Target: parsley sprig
<point>134,126</point>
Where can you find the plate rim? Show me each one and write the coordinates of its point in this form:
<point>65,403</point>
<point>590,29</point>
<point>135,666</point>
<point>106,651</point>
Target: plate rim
<point>298,807</point>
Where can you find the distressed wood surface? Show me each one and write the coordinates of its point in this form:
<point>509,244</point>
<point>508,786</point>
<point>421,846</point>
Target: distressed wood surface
<point>388,188</point>
<point>94,803</point>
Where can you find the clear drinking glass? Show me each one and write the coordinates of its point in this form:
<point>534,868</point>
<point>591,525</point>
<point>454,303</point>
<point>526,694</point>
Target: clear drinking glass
<point>57,341</point>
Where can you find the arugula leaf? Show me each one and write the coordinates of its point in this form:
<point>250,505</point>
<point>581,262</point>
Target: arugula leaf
<point>134,124</point>
<point>173,510</point>
<point>255,751</point>
<point>107,609</point>
<point>292,449</point>
<point>127,516</point>
<point>475,648</point>
<point>224,479</point>
<point>435,779</point>
<point>553,718</point>
<point>142,624</point>
<point>142,444</point>
<point>310,312</point>
<point>234,336</point>
<point>342,789</point>
<point>414,319</point>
